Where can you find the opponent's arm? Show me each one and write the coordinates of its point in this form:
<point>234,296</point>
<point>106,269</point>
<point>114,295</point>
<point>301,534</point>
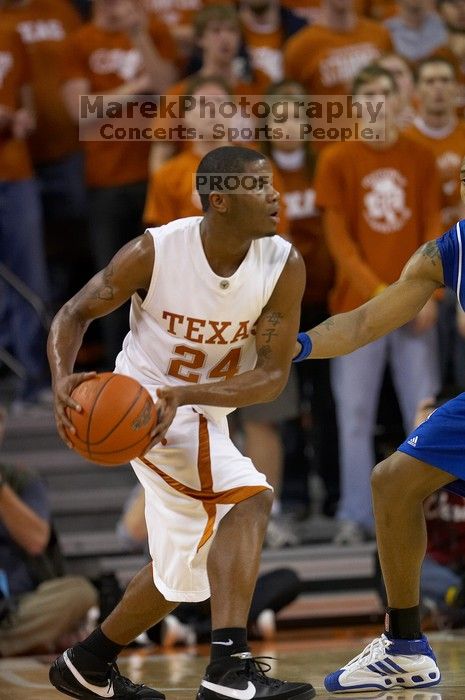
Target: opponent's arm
<point>275,345</point>
<point>395,306</point>
<point>128,272</point>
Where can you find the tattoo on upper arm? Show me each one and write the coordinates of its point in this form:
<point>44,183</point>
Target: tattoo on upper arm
<point>273,319</point>
<point>430,251</point>
<point>106,291</point>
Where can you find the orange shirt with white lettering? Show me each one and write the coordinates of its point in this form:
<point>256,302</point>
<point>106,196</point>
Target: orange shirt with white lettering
<point>326,61</point>
<point>15,163</point>
<point>172,194</point>
<point>265,51</point>
<point>448,146</point>
<point>107,60</point>
<point>306,232</point>
<point>390,203</point>
<point>311,9</point>
<point>43,26</point>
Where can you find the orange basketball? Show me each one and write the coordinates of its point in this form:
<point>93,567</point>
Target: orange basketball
<point>116,420</point>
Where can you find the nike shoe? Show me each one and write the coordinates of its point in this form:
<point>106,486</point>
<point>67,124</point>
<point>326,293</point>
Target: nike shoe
<point>243,677</point>
<point>69,679</point>
<point>385,664</point>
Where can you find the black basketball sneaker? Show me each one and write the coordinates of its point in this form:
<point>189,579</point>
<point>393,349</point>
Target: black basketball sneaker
<point>71,678</point>
<point>243,677</point>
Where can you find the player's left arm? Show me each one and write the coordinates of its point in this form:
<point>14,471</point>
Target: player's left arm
<point>395,306</point>
<point>276,330</point>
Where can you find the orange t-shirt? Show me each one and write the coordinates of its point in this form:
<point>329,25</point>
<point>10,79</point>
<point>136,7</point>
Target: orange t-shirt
<point>449,150</point>
<point>390,203</point>
<point>107,60</point>
<point>306,232</point>
<point>326,61</point>
<point>311,9</point>
<point>266,56</point>
<point>172,195</point>
<point>15,163</point>
<point>43,26</point>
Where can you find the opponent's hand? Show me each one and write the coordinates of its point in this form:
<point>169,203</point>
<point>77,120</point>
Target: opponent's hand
<point>62,390</point>
<point>167,405</point>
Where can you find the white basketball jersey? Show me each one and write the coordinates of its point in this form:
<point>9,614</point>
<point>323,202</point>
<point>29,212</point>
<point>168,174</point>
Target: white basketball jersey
<point>194,326</point>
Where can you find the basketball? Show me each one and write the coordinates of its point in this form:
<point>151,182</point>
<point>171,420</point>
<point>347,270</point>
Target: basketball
<point>117,418</point>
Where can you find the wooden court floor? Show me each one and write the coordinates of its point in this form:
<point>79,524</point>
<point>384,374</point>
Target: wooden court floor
<point>299,658</point>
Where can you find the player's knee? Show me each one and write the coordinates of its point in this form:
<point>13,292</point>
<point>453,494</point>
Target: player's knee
<point>385,478</point>
<point>261,504</point>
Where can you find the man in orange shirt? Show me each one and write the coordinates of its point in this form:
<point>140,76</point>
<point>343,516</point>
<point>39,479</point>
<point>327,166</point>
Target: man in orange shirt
<point>380,202</point>
<point>437,127</point>
<point>21,243</point>
<point>43,26</point>
<point>121,52</point>
<point>217,37</point>
<point>265,27</point>
<point>326,56</point>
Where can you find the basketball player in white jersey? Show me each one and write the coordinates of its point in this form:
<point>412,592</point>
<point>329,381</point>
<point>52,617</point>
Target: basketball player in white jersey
<point>431,457</point>
<point>214,313</point>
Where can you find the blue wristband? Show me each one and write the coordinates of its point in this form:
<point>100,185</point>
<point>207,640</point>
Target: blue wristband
<point>306,344</point>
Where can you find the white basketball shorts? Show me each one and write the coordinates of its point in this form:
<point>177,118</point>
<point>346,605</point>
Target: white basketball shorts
<point>190,484</point>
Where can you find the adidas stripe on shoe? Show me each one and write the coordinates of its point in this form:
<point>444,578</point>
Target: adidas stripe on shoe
<point>385,664</point>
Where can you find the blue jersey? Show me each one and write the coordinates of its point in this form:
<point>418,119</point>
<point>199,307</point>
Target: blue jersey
<point>452,250</point>
<point>440,440</point>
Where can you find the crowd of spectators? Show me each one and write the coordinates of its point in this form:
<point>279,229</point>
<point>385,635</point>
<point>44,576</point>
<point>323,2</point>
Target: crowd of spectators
<point>356,210</point>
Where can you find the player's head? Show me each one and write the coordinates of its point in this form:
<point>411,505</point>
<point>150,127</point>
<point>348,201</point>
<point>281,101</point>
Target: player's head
<point>236,184</point>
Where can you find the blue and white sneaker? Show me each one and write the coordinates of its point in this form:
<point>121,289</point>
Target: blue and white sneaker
<point>385,664</point>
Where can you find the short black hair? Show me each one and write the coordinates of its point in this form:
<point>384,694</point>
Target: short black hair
<point>226,159</point>
<point>369,73</point>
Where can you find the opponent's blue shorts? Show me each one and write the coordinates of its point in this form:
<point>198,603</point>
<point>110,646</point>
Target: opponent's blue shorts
<point>440,441</point>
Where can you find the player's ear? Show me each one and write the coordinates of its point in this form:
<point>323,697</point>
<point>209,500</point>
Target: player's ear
<point>218,202</point>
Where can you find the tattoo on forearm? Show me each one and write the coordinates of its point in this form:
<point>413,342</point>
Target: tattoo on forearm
<point>324,327</point>
<point>431,251</point>
<point>273,320</point>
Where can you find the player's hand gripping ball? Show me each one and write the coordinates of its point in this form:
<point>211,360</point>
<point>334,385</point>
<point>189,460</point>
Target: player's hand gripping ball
<point>116,421</point>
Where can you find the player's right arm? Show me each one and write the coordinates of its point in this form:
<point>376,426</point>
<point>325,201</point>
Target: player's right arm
<point>395,306</point>
<point>128,272</point>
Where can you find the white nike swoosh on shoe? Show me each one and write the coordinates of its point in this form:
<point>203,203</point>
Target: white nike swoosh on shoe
<point>107,692</point>
<point>225,644</point>
<point>246,694</point>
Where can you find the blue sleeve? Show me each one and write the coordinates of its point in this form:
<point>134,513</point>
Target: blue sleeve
<point>448,245</point>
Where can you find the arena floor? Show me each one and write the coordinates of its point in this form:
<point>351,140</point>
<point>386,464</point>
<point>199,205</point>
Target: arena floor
<point>299,656</point>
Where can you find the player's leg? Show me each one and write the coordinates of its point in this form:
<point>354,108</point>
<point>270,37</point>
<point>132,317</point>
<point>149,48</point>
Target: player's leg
<point>232,566</point>
<point>401,657</point>
<point>88,668</point>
